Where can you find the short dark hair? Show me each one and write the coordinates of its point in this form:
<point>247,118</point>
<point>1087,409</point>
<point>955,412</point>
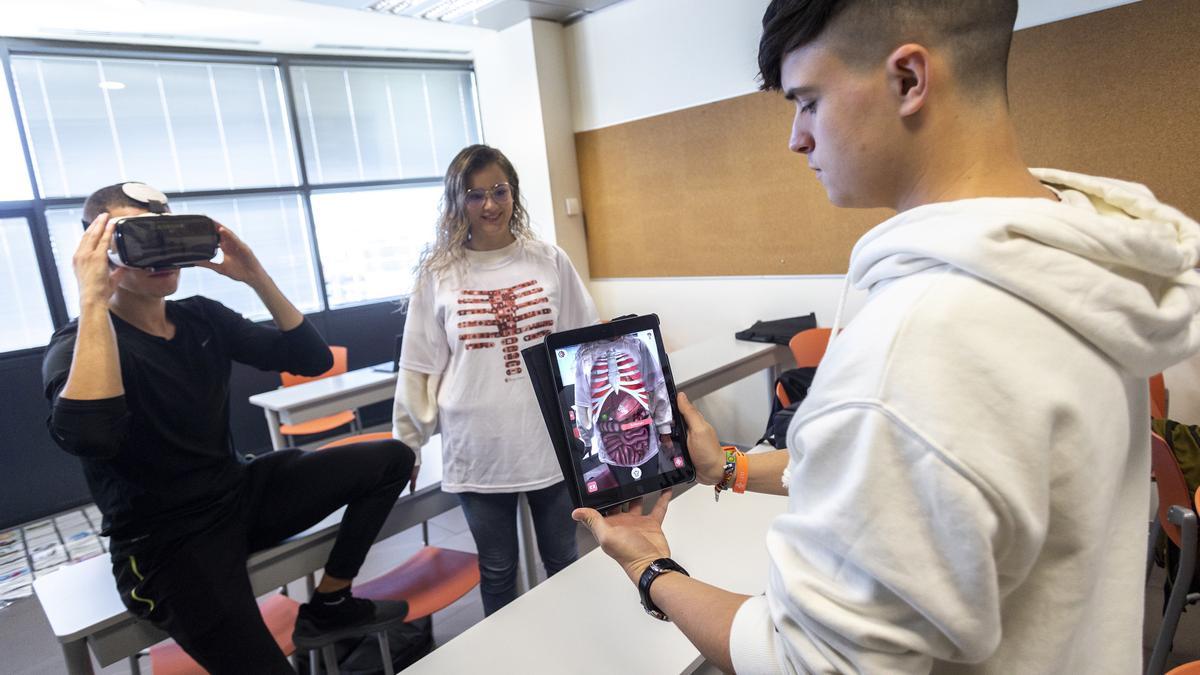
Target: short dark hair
<point>977,33</point>
<point>106,199</point>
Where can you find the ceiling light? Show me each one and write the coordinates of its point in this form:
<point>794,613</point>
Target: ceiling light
<point>449,10</point>
<point>389,6</point>
<point>109,84</point>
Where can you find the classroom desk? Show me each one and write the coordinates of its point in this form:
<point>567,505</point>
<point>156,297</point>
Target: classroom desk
<point>81,602</point>
<point>84,610</point>
<point>326,396</point>
<point>699,370</point>
<point>587,618</point>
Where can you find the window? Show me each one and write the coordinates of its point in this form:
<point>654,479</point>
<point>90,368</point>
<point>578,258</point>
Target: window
<point>14,178</point>
<point>224,134</point>
<point>180,126</point>
<point>370,240</point>
<point>273,226</point>
<point>24,317</point>
<point>371,123</point>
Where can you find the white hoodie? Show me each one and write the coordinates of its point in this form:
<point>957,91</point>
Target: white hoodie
<point>969,475</point>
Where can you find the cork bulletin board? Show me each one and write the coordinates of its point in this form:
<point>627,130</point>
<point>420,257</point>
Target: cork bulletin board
<point>713,190</point>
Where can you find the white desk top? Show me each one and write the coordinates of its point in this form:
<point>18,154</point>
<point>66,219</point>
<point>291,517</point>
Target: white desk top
<point>689,364</point>
<point>337,386</point>
<point>80,598</point>
<point>719,354</point>
<point>587,618</point>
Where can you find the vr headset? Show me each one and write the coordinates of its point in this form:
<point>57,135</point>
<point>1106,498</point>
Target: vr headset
<point>163,241</point>
<point>160,240</point>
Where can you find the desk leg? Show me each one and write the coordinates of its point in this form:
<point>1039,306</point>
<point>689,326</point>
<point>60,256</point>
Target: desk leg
<point>79,662</point>
<point>277,441</point>
<point>527,577</point>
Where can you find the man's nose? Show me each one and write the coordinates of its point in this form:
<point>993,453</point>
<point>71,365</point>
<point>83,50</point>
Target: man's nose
<point>801,141</point>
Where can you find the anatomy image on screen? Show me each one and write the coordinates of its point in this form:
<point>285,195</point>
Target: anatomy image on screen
<point>621,403</point>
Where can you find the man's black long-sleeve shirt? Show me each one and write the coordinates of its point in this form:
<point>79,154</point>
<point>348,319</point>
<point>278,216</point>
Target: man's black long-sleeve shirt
<point>160,457</point>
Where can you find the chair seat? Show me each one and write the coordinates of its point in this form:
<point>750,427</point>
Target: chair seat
<point>430,581</point>
<point>279,613</point>
<point>358,438</point>
<point>319,425</point>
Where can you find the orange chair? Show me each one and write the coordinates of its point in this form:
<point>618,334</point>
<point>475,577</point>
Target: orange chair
<point>808,348</point>
<point>279,613</point>
<point>1192,668</point>
<point>1177,519</point>
<point>329,422</point>
<point>1158,397</point>
<point>430,580</point>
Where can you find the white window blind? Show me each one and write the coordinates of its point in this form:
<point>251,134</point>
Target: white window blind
<point>372,123</point>
<point>24,317</point>
<point>370,240</point>
<point>180,126</point>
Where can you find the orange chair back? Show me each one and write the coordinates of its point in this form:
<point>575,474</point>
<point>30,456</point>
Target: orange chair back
<point>358,438</point>
<point>431,580</point>
<point>808,346</point>
<point>278,612</point>
<point>1158,397</point>
<point>340,359</point>
<point>1172,488</point>
<point>1192,668</point>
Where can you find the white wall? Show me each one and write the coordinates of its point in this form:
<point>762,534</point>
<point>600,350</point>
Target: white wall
<point>641,58</point>
<point>522,84</point>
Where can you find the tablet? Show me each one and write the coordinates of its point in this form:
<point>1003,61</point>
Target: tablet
<point>610,398</point>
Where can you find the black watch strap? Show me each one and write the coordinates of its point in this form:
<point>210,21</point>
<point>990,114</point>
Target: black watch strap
<point>652,572</point>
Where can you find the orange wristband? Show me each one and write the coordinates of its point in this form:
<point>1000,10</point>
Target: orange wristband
<point>742,473</point>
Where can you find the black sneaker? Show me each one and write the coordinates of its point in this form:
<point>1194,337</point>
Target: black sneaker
<point>320,623</point>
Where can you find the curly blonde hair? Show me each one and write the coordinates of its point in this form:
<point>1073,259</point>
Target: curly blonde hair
<point>453,226</point>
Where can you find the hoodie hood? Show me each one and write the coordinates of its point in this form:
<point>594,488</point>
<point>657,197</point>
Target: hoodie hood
<point>1109,261</point>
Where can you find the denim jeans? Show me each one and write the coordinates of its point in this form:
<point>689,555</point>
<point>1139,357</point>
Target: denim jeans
<point>492,518</point>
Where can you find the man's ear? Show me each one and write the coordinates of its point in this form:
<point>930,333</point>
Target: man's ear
<point>909,72</point>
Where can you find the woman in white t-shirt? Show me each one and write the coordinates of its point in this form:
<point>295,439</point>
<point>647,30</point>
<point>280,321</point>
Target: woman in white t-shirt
<point>486,289</point>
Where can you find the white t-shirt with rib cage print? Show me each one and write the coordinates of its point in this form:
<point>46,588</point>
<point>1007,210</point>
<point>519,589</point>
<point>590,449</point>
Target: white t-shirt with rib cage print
<point>470,327</point>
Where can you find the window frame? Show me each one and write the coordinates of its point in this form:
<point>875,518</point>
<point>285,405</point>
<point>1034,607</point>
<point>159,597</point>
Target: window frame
<point>34,209</point>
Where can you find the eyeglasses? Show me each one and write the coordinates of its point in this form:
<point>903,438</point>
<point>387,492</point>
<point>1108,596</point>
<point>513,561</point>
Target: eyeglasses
<point>501,193</point>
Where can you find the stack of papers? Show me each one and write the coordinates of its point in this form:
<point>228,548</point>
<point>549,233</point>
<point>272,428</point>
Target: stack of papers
<point>37,549</point>
<point>15,574</point>
<point>78,536</point>
<point>46,550</point>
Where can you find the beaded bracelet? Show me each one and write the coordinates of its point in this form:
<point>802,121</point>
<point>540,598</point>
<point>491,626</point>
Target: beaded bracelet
<point>731,462</point>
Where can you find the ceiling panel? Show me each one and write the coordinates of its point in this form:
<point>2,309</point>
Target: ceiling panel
<point>497,15</point>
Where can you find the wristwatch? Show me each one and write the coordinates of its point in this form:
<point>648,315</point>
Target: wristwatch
<point>652,572</point>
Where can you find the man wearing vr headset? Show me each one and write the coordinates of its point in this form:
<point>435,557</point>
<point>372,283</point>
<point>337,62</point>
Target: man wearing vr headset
<point>139,390</point>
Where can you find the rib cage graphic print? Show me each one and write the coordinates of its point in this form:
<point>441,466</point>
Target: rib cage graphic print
<point>509,318</point>
<point>617,372</point>
<point>621,403</point>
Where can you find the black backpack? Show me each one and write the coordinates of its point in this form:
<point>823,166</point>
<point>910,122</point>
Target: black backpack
<point>795,383</point>
<point>409,642</point>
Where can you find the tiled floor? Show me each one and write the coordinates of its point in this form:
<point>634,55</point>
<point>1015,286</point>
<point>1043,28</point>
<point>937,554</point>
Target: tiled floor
<point>27,646</point>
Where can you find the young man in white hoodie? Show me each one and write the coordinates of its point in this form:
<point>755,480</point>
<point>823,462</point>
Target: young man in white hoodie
<point>968,478</point>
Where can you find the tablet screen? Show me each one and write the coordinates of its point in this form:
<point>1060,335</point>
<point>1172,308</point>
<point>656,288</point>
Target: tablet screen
<point>617,401</point>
